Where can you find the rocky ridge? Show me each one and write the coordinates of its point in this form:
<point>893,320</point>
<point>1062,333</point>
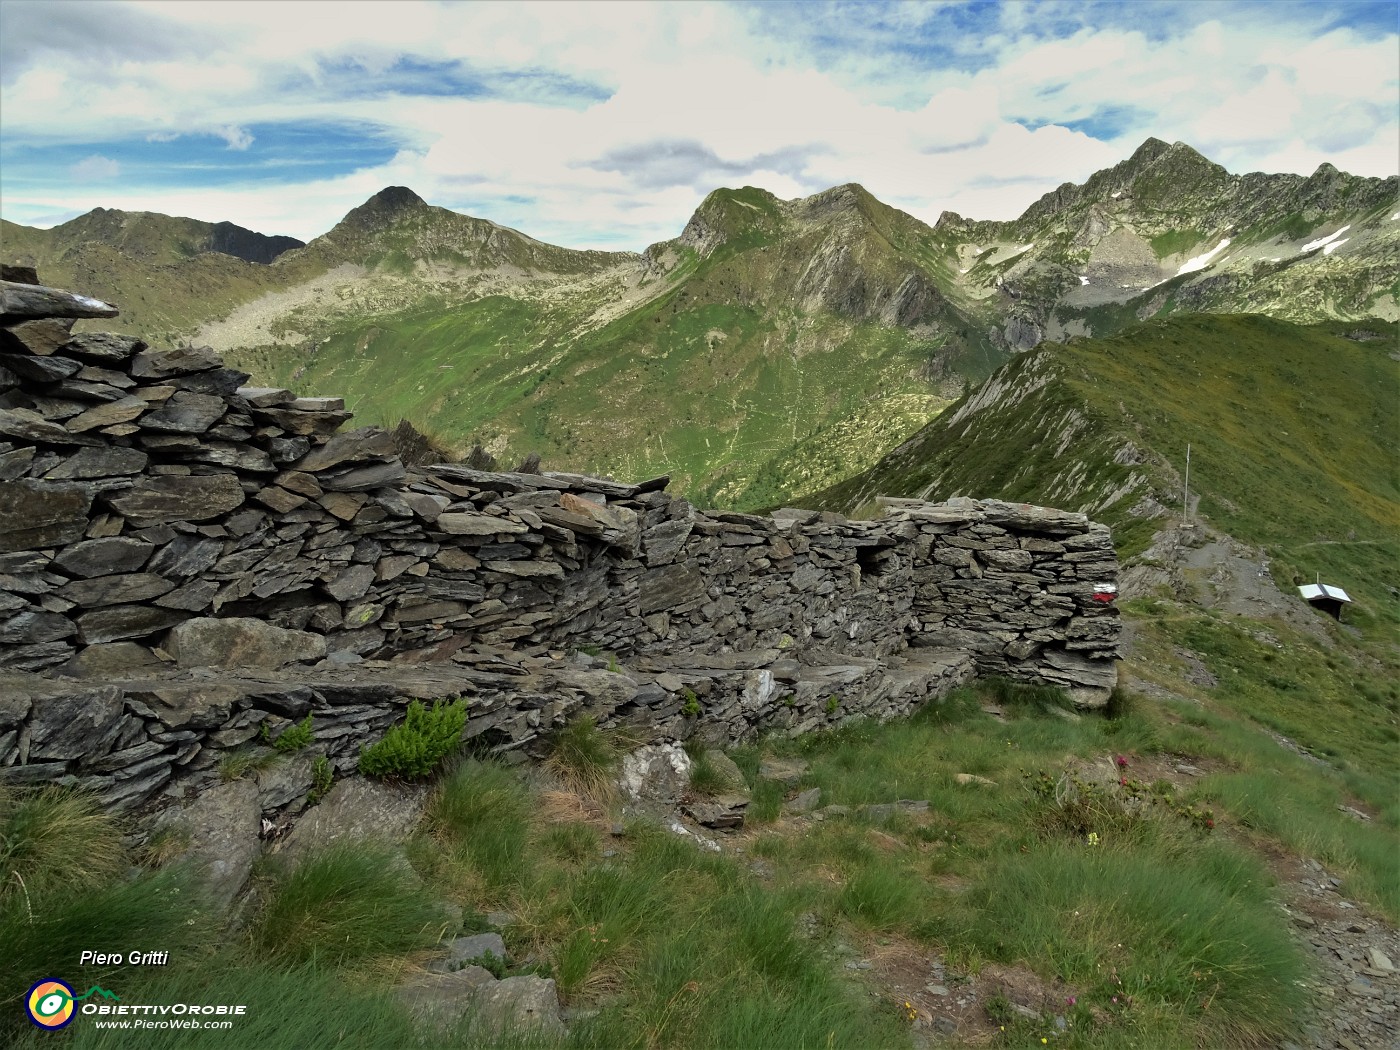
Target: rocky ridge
<point>1169,231</point>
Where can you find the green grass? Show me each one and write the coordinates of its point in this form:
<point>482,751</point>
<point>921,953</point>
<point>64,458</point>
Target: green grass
<point>343,906</point>
<point>1317,466</point>
<point>674,946</point>
<point>1173,242</point>
<point>584,757</point>
<point>1194,938</point>
<point>55,839</point>
<point>481,812</point>
<point>44,931</point>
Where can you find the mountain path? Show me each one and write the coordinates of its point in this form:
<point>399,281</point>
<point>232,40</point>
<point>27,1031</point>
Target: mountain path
<point>1355,989</point>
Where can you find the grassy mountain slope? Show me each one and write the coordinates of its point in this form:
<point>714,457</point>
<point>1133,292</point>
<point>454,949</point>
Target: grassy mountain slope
<point>1293,474</point>
<point>1291,428</point>
<point>165,273</point>
<point>768,349</point>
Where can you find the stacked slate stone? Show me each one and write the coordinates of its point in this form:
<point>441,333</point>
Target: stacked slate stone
<point>1026,590</point>
<point>159,519</point>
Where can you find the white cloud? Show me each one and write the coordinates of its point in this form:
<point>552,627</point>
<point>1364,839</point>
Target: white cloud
<point>734,94</point>
<point>95,169</point>
<point>236,137</point>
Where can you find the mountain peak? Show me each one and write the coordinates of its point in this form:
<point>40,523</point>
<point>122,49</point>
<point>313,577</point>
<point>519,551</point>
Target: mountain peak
<point>385,207</point>
<point>725,212</point>
<point>1150,150</point>
<point>395,198</point>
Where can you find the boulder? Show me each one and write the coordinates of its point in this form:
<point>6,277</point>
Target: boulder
<point>656,772</point>
<point>525,1005</point>
<point>439,1001</point>
<point>115,590</point>
<point>111,660</point>
<point>105,557</point>
<point>186,413</point>
<point>284,781</point>
<point>30,627</point>
<point>357,809</point>
<point>25,425</point>
<point>105,348</point>
<point>805,802</point>
<point>785,771</point>
<point>160,364</point>
<point>121,410</point>
<point>119,622</point>
<point>38,514</point>
<point>78,723</point>
<point>238,641</point>
<point>220,828</point>
<point>353,446</point>
<point>105,461</point>
<point>722,811</point>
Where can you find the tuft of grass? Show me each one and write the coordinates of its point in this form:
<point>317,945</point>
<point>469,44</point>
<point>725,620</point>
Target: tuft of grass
<point>707,777</point>
<point>1024,696</point>
<point>55,838</point>
<point>1195,933</point>
<point>585,758</point>
<point>881,896</point>
<point>481,813</point>
<point>235,765</point>
<point>345,905</point>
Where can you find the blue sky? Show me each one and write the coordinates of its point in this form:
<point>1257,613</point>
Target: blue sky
<point>604,125</point>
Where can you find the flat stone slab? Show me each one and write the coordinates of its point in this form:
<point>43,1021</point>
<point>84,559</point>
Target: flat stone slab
<point>356,809</point>
<point>221,827</point>
<point>237,641</point>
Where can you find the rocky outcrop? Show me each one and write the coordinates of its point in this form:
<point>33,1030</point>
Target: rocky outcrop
<point>210,524</point>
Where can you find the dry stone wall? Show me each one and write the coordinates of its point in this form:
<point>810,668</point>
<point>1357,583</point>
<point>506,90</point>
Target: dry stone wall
<point>187,562</point>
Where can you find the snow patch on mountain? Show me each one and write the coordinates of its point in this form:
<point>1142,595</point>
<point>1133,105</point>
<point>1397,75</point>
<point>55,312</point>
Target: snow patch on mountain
<point>1321,241</point>
<point>1200,262</point>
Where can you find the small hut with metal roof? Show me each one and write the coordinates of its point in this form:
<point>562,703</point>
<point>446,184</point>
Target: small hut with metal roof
<point>1325,597</point>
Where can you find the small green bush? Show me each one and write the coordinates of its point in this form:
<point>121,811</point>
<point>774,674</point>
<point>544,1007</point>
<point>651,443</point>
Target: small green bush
<point>414,748</point>
<point>691,708</point>
<point>321,779</point>
<point>294,738</point>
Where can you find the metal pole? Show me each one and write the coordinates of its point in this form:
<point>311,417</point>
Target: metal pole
<point>1186,485</point>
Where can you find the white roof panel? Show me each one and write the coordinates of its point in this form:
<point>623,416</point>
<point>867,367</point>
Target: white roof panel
<point>1313,591</point>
